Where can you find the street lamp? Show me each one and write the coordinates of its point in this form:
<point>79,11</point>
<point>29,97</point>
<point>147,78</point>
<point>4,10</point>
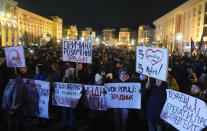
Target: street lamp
<point>97,39</point>
<point>82,39</point>
<point>179,36</point>
<point>8,15</point>
<point>142,41</point>
<point>2,13</point>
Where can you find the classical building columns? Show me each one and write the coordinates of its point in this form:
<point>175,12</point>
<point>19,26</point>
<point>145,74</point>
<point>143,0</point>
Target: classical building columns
<point>9,35</point>
<point>15,36</point>
<point>3,35</point>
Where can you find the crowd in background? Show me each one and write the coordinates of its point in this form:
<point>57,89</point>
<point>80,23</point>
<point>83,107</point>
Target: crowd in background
<point>187,74</point>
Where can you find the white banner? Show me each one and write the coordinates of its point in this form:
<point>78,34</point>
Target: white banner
<point>123,95</point>
<point>94,97</point>
<point>66,94</point>
<point>39,92</point>
<point>184,112</point>
<point>77,51</point>
<point>152,62</point>
<point>15,56</point>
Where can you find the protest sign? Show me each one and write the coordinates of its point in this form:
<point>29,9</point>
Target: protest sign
<point>152,62</point>
<point>66,94</point>
<point>94,97</point>
<point>123,95</point>
<point>77,51</point>
<point>184,112</point>
<point>38,92</point>
<point>15,56</point>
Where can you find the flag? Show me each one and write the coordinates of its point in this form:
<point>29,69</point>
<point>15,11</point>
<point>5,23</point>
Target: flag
<point>200,43</point>
<point>192,46</point>
<point>91,35</point>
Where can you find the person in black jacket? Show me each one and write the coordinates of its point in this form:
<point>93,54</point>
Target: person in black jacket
<point>121,114</point>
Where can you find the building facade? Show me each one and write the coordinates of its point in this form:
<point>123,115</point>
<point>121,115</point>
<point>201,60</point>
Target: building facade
<point>70,33</point>
<point>8,22</point>
<point>107,34</point>
<point>19,26</point>
<point>85,34</point>
<point>124,37</point>
<point>175,29</point>
<point>146,35</point>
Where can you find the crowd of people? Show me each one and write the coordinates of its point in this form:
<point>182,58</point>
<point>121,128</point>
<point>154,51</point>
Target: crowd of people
<point>186,74</point>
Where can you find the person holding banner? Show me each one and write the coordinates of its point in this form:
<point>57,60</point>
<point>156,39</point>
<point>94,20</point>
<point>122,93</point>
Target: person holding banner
<point>14,103</point>
<point>67,112</point>
<point>121,115</point>
<point>136,77</point>
<point>157,91</point>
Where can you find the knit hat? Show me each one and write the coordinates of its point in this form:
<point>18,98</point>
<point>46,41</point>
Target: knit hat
<point>122,69</point>
<point>98,77</point>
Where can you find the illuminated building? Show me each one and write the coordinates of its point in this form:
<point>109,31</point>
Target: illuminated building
<point>145,35</point>
<point>8,22</point>
<point>124,36</point>
<point>107,34</point>
<point>71,33</point>
<point>175,29</point>
<point>19,26</point>
<point>85,34</point>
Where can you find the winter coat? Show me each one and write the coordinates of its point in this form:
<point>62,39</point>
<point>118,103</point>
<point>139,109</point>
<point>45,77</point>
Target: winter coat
<point>15,95</point>
<point>155,103</point>
<point>42,77</point>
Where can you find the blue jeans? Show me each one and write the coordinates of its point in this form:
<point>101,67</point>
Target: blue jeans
<point>121,116</point>
<point>152,127</point>
<point>67,114</point>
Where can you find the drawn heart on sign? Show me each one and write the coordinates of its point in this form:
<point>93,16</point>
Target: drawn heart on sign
<point>154,56</point>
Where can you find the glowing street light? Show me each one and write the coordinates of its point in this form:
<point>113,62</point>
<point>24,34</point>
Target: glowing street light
<point>2,13</point>
<point>8,15</point>
<point>179,36</point>
<point>82,39</point>
<point>31,51</point>
<point>97,40</point>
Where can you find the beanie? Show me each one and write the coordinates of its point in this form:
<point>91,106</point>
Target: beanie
<point>122,69</point>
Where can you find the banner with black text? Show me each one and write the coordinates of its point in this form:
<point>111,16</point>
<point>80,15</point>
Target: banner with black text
<point>123,95</point>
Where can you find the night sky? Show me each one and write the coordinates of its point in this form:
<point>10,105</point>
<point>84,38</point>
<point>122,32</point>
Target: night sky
<point>100,14</point>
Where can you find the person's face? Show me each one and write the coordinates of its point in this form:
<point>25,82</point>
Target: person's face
<point>35,57</point>
<point>123,74</point>
<point>158,82</point>
<point>23,70</point>
<point>195,89</point>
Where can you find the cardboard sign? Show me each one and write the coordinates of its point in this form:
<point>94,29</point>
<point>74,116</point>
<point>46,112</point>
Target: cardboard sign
<point>94,97</point>
<point>123,95</point>
<point>66,94</point>
<point>39,92</point>
<point>77,51</point>
<point>15,56</point>
<point>184,112</point>
<point>152,62</point>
